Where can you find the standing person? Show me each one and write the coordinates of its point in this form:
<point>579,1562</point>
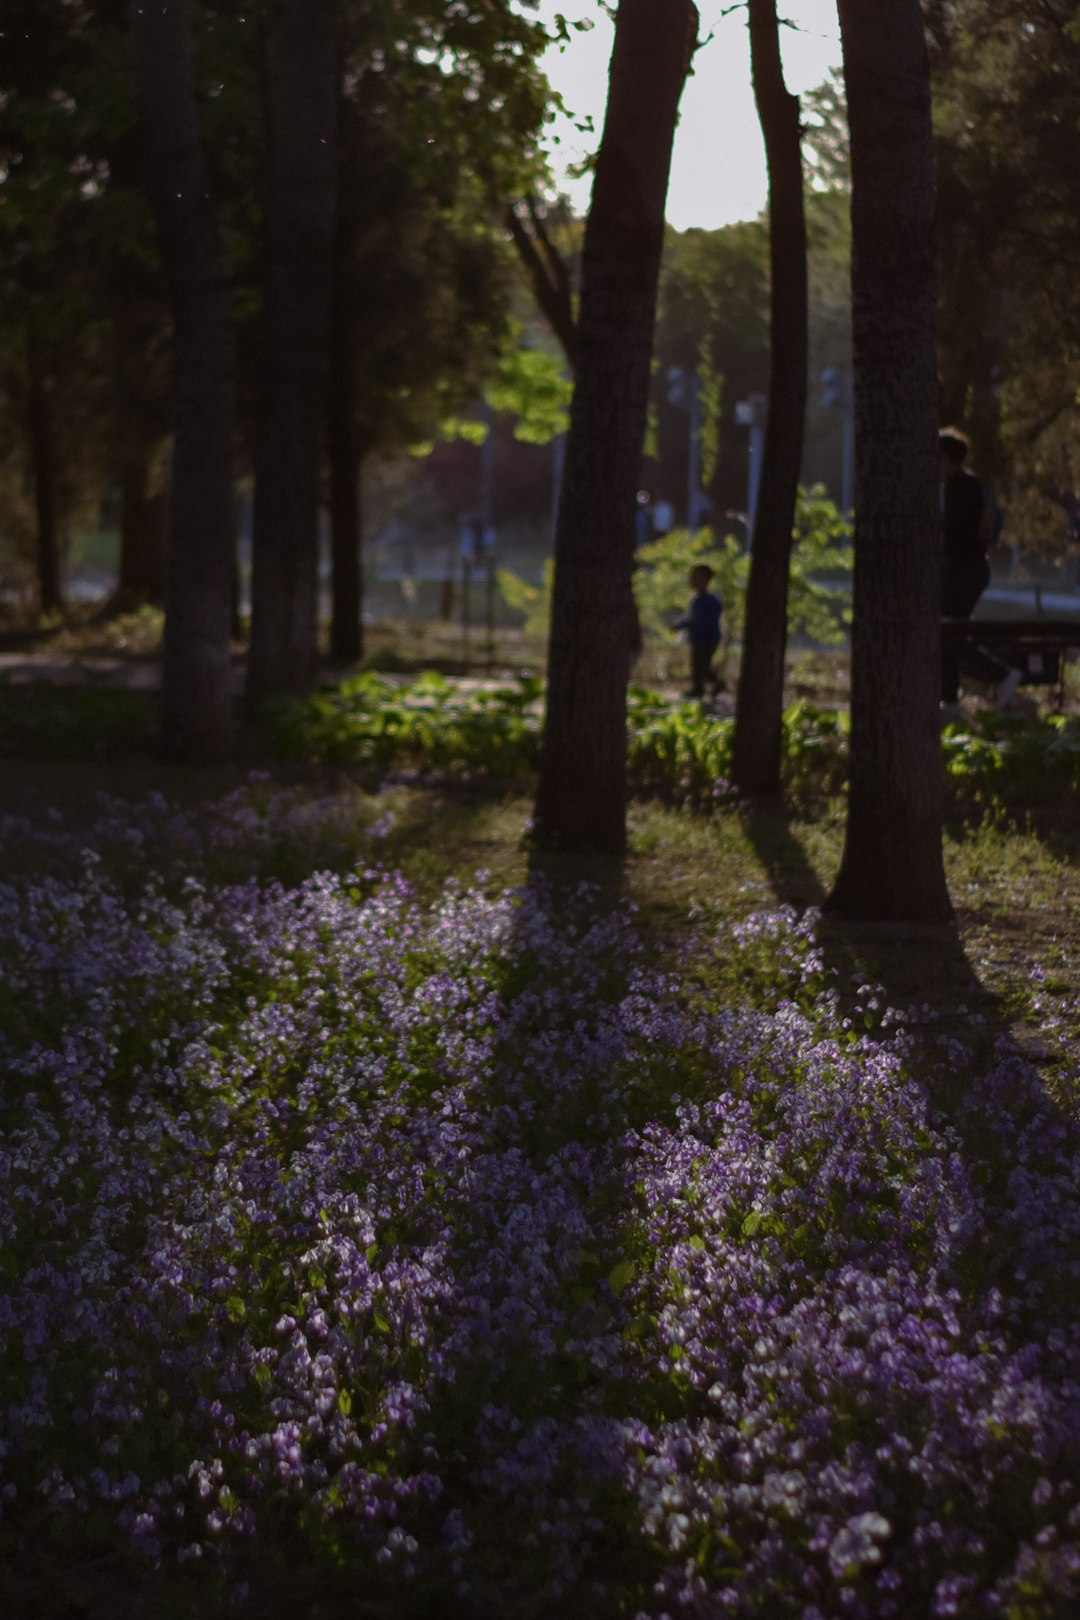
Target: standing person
<point>702,625</point>
<point>965,571</point>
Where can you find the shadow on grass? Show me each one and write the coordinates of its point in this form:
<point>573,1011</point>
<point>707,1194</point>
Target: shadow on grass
<point>784,860</point>
<point>917,965</point>
<point>563,875</point>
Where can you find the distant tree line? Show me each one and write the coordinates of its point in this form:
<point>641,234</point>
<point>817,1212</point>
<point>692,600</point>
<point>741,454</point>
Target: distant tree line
<point>270,241</point>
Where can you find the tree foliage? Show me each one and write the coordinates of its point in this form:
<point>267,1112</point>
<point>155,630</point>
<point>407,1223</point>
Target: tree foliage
<point>1008,142</point>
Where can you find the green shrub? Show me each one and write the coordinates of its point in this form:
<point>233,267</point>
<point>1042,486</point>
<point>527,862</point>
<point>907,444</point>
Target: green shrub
<point>815,612</point>
<point>1007,759</point>
<point>432,723</point>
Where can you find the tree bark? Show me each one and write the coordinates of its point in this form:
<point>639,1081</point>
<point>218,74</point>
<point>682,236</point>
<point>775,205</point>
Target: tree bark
<point>346,623</point>
<point>892,867</point>
<point>43,459</point>
<point>142,533</point>
<point>760,702</point>
<point>303,81</point>
<point>195,707</point>
<point>343,440</point>
<point>581,795</point>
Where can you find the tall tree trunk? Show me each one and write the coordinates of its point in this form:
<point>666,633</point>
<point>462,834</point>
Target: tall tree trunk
<point>581,796</point>
<point>142,532</point>
<point>195,708</point>
<point>303,81</point>
<point>756,756</point>
<point>343,441</point>
<point>892,866</point>
<point>43,459</point>
<point>346,624</point>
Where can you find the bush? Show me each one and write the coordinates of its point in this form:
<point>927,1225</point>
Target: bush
<point>430,723</point>
<point>660,583</point>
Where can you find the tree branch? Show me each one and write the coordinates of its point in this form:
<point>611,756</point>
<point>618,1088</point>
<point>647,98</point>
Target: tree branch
<point>547,273</point>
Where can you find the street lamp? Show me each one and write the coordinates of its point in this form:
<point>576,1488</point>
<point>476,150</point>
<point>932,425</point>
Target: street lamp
<point>684,390</point>
<point>750,413</point>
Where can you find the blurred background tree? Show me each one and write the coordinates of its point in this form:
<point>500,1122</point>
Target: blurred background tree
<point>1008,144</point>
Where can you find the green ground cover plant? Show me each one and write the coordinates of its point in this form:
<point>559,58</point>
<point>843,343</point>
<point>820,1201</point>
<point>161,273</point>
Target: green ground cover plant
<point>677,749</point>
<point>490,728</point>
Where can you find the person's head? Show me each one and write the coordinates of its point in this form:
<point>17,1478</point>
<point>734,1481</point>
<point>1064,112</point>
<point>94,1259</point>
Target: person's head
<point>952,449</point>
<point>700,576</point>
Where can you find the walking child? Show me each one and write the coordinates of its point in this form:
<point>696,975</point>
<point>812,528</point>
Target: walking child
<point>701,622</point>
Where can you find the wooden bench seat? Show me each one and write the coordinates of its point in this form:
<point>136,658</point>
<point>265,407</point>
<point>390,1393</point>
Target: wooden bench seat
<point>1036,647</point>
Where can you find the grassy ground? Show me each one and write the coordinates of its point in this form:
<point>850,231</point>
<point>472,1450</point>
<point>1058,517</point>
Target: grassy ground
<point>1014,880</point>
<point>1015,886</point>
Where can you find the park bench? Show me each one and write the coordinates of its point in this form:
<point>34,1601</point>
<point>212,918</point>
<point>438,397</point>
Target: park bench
<point>1038,648</point>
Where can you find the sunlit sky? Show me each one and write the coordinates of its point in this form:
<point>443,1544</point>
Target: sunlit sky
<point>718,166</point>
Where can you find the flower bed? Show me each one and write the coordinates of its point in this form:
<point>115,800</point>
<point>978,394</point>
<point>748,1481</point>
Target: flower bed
<point>457,1255</point>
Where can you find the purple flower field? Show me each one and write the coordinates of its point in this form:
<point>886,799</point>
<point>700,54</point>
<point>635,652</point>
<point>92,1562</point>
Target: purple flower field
<point>461,1256</point>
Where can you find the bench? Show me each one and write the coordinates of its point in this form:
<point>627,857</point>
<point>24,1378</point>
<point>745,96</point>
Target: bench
<point>1036,647</point>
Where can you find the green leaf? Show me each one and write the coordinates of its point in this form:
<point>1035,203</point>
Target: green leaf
<point>620,1276</point>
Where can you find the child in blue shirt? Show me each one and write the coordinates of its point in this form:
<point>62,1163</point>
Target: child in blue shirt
<point>702,625</point>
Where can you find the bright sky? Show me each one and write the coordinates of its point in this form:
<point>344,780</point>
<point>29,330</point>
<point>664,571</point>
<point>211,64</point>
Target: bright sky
<point>718,166</point>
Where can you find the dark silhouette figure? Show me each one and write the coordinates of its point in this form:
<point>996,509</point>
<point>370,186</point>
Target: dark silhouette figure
<point>965,571</point>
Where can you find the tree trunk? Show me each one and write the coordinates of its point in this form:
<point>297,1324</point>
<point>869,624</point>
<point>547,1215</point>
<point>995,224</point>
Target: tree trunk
<point>581,796</point>
<point>195,708</point>
<point>43,459</point>
<point>892,866</point>
<point>346,624</point>
<point>142,534</point>
<point>756,756</point>
<point>346,621</point>
<point>303,81</point>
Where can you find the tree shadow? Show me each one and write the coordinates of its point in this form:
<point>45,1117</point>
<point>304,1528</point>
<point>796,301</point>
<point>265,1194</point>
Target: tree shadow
<point>916,965</point>
<point>563,874</point>
<point>987,1082</point>
<point>795,880</point>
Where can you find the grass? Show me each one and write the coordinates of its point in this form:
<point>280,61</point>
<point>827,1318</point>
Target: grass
<point>1015,882</point>
<point>1012,867</point>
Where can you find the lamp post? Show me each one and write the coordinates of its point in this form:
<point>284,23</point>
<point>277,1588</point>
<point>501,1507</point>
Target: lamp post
<point>750,413</point>
<point>684,390</point>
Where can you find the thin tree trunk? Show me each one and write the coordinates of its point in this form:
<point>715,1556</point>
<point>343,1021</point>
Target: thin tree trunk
<point>142,533</point>
<point>303,79</point>
<point>892,866</point>
<point>43,458</point>
<point>346,625</point>
<point>756,754</point>
<point>343,443</point>
<point>581,795</point>
<point>195,707</point>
